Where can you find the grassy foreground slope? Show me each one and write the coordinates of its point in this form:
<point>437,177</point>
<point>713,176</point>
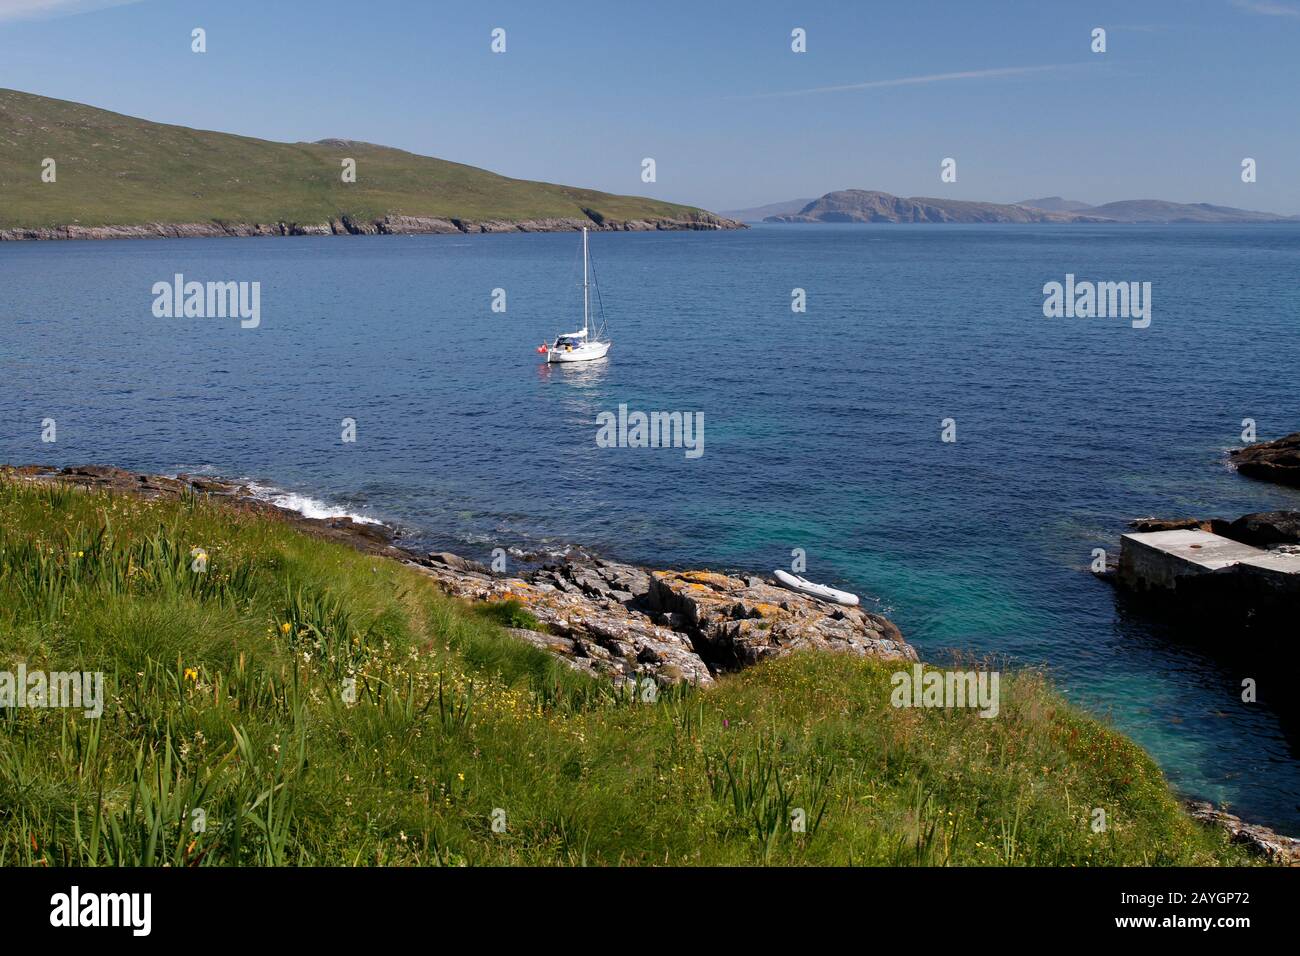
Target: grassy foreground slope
<point>118,170</point>
<point>225,694</point>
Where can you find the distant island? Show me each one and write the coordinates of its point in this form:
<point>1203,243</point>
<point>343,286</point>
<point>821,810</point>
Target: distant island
<point>868,205</point>
<point>115,176</point>
<point>760,213</point>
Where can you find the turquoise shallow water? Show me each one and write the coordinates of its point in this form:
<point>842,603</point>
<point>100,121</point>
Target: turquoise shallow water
<point>821,430</point>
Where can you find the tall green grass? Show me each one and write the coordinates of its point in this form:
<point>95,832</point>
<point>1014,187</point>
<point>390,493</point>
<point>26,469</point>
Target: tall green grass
<point>296,702</point>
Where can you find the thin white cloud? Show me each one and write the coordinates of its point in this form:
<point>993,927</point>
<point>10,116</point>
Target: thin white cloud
<point>914,80</point>
<point>44,9</point>
<point>1268,8</point>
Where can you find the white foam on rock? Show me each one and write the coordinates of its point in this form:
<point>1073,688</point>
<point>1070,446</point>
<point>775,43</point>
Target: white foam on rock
<point>305,505</point>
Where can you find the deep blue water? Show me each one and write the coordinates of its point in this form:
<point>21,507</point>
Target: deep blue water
<point>821,430</point>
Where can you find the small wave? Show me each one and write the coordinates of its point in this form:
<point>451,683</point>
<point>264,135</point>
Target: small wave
<point>305,505</point>
<point>528,551</point>
<point>544,552</point>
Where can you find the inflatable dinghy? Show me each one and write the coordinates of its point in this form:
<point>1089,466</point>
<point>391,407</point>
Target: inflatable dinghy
<point>804,586</point>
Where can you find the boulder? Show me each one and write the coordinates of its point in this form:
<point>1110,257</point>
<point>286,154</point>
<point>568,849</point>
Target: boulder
<point>566,649</point>
<point>1266,529</point>
<point>1277,461</point>
<point>100,472</point>
<point>456,561</point>
<point>1171,524</point>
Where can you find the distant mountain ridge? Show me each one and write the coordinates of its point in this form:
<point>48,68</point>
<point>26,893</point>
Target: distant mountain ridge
<point>1055,204</point>
<point>1159,210</point>
<point>759,213</point>
<point>868,205</point>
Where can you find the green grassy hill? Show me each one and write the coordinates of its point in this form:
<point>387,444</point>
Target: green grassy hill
<point>118,170</point>
<point>226,693</point>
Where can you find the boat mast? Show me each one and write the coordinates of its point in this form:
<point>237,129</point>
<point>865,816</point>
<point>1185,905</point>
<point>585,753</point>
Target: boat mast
<point>584,282</point>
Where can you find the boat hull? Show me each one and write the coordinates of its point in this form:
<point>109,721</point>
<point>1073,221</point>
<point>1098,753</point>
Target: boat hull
<point>812,589</point>
<point>587,353</point>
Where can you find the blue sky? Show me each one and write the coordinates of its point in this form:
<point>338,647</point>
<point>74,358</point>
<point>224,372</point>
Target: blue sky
<point>585,90</point>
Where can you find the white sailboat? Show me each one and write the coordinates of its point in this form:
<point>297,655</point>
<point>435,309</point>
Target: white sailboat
<point>588,343</point>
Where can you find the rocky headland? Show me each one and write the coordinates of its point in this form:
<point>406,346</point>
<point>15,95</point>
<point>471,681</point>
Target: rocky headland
<point>604,617</point>
<point>121,177</point>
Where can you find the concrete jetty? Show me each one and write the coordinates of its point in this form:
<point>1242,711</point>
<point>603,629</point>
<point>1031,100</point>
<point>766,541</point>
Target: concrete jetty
<point>1159,559</point>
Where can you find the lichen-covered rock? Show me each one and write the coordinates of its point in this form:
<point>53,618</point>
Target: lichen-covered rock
<point>676,625</point>
<point>587,615</point>
<point>735,623</point>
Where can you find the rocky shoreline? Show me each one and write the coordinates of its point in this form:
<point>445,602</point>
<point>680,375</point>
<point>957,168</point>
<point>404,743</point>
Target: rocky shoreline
<point>1282,850</point>
<point>351,226</point>
<point>617,620</point>
<point>1276,461</point>
<point>603,617</point>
